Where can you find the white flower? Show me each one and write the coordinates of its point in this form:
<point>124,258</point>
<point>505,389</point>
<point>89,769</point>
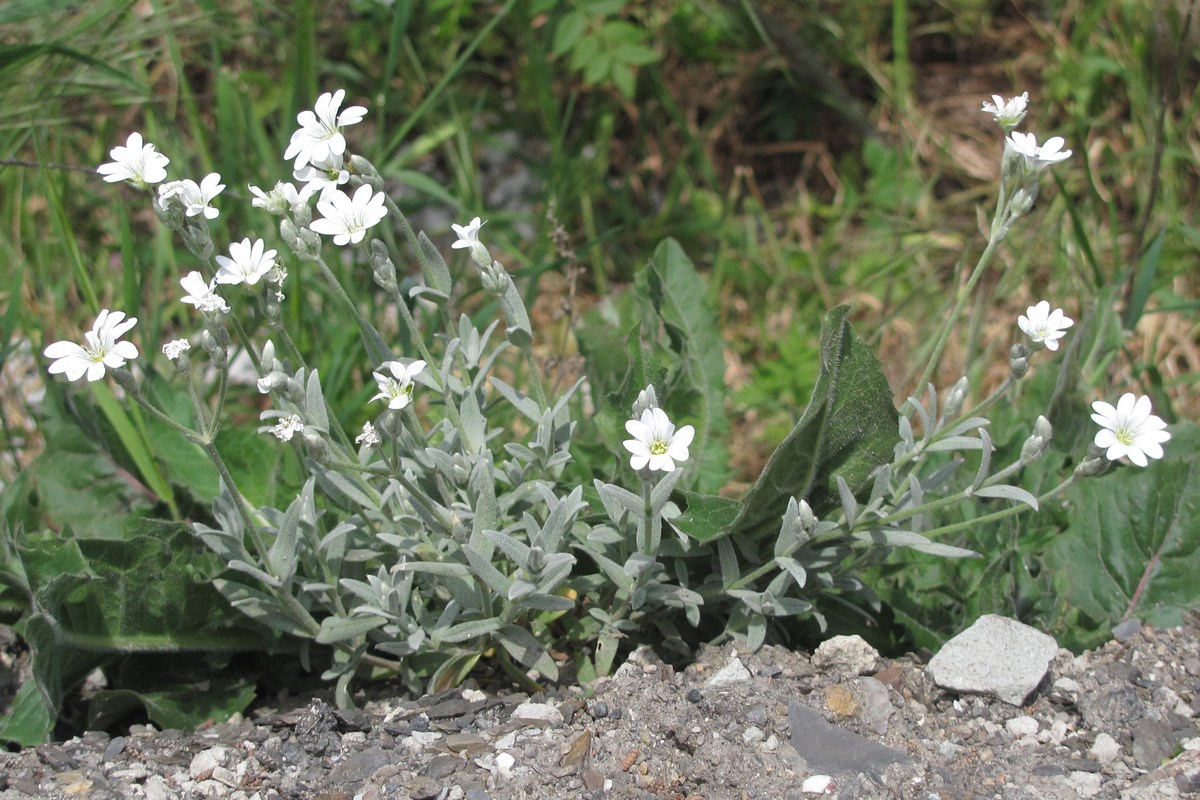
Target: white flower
<point>368,437</point>
<point>1129,429</point>
<point>287,427</point>
<point>136,162</point>
<point>174,349</point>
<point>281,199</point>
<point>323,176</point>
<point>248,264</point>
<point>101,351</point>
<point>201,294</point>
<point>1008,113</point>
<point>347,219</point>
<point>468,235</point>
<point>1038,158</point>
<point>655,441</point>
<point>320,134</point>
<point>397,388</point>
<point>1044,326</point>
<point>194,197</point>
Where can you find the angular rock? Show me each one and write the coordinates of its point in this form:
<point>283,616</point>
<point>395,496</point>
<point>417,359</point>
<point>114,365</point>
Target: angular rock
<point>827,748</point>
<point>997,656</point>
<point>733,672</point>
<point>848,655</point>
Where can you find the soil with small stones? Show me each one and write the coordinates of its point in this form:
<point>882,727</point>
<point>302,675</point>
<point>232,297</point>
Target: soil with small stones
<point>1118,722</point>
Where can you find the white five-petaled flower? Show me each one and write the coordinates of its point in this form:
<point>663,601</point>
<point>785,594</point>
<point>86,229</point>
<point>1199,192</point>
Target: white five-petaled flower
<point>1044,326</point>
<point>101,352</point>
<point>468,235</point>
<point>249,263</point>
<point>369,437</point>
<point>346,219</point>
<point>287,427</point>
<point>1129,429</point>
<point>137,162</point>
<point>202,295</point>
<point>195,197</point>
<point>320,133</point>
<point>1008,113</point>
<point>281,199</point>
<point>655,441</point>
<point>175,348</point>
<point>1038,157</point>
<point>397,388</point>
<point>323,176</point>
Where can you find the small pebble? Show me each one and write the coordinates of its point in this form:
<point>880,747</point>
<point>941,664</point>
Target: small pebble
<point>599,709</point>
<point>1022,726</point>
<point>693,695</point>
<point>817,784</point>
<point>1105,750</point>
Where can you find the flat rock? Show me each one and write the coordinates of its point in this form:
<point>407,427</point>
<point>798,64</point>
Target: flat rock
<point>732,673</point>
<point>996,656</point>
<point>828,748</point>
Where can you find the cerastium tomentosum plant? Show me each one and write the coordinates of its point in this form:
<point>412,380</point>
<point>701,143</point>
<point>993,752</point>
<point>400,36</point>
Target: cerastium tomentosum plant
<point>449,528</point>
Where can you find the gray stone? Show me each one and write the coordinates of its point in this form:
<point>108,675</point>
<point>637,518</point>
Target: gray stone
<point>732,673</point>
<point>1105,749</point>
<point>827,748</point>
<point>1153,743</point>
<point>537,713</point>
<point>360,766</point>
<point>997,656</point>
<point>847,655</point>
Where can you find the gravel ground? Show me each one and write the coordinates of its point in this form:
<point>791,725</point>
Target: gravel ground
<point>1118,722</point>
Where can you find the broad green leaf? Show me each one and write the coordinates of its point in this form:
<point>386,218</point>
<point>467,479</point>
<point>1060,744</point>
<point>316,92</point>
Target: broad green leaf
<point>848,430</point>
<point>30,720</point>
<point>182,708</point>
<point>681,299</point>
<point>1133,545</point>
<point>707,515</point>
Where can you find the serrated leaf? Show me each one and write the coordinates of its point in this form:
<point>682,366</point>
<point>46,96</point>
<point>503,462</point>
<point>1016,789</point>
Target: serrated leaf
<point>681,299</point>
<point>848,429</point>
<point>1132,548</point>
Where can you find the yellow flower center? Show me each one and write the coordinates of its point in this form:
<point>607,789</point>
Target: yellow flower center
<point>1124,436</point>
<point>658,448</point>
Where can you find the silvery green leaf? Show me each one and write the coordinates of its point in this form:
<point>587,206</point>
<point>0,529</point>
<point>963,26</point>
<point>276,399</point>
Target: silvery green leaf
<point>469,337</point>
<point>520,452</point>
<point>881,486</point>
<point>849,504</point>
<point>985,458</point>
<point>472,424</point>
<point>519,400</point>
<point>339,629</point>
<point>941,475</point>
<point>619,502</point>
<point>661,493</point>
<point>560,410</point>
<point>955,443</point>
<point>729,562</point>
<point>314,403</point>
<point>906,434</point>
<point>516,318</point>
<point>788,607</point>
<point>692,613</point>
<point>966,425</point>
<point>897,537</point>
<point>756,631</point>
<point>922,414</point>
<point>249,569</point>
<point>448,568</point>
<point>793,568</point>
<point>558,567</point>
<point>421,290</point>
<point>638,563</point>
<point>519,588</point>
<point>486,366</point>
<point>916,492</point>
<point>522,646</point>
<point>433,266</point>
<point>563,513</point>
<point>540,601</point>
<point>472,629</point>
<point>611,569</point>
<point>225,510</point>
<point>1007,492</point>
<point>260,607</point>
<point>602,535</point>
<point>227,545</point>
<point>751,599</point>
<point>483,568</point>
<point>515,549</point>
<point>341,488</point>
